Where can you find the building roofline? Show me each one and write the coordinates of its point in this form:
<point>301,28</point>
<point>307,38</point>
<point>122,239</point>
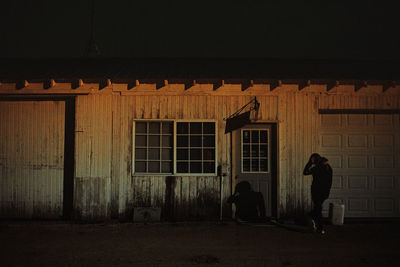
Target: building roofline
<point>198,68</point>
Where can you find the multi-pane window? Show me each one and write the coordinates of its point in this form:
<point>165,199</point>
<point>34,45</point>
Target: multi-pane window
<point>156,150</point>
<point>153,147</point>
<point>255,150</point>
<point>195,148</point>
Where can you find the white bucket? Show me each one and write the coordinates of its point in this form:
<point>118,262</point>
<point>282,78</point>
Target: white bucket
<point>336,213</point>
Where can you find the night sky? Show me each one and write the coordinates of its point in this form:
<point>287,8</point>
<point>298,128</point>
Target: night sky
<point>219,28</point>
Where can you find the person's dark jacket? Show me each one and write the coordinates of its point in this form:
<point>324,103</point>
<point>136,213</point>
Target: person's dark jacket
<point>322,178</point>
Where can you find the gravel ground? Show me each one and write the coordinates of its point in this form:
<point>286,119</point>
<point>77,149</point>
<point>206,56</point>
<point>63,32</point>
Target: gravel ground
<point>38,243</point>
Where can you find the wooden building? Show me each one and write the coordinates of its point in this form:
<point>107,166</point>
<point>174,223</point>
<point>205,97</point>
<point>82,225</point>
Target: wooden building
<point>93,139</point>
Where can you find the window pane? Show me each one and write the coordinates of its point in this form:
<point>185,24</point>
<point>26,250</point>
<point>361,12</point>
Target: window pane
<point>209,128</point>
<point>140,140</point>
<point>195,154</point>
<point>195,128</point>
<point>209,167</point>
<point>166,154</point>
<point>141,127</point>
<point>195,141</point>
<point>182,127</point>
<point>140,166</point>
<point>154,140</point>
<point>246,165</point>
<point>208,154</point>
<point>167,141</point>
<point>154,153</point>
<point>195,167</point>
<point>167,127</point>
<point>246,136</point>
<point>154,127</point>
<point>263,137</point>
<point>254,165</point>
<point>182,167</point>
<point>263,151</point>
<point>263,165</point>
<point>140,153</point>
<point>154,166</point>
<point>209,141</point>
<point>254,150</point>
<point>254,136</point>
<point>154,146</point>
<point>182,141</point>
<point>182,154</point>
<point>166,166</point>
<point>246,151</point>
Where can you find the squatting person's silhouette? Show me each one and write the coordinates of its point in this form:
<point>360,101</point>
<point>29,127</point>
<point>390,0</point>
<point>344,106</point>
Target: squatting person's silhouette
<point>249,204</point>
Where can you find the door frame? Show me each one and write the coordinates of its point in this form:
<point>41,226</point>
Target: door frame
<point>274,164</point>
<point>69,143</point>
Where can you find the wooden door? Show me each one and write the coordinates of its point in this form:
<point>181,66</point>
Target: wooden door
<point>251,157</point>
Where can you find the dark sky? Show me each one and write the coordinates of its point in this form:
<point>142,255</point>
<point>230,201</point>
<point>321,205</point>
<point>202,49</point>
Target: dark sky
<point>193,28</point>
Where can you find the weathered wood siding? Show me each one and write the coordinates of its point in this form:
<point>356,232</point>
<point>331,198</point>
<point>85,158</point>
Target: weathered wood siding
<point>31,159</point>
<point>181,197</point>
<point>93,147</point>
<point>105,186</point>
<point>298,116</point>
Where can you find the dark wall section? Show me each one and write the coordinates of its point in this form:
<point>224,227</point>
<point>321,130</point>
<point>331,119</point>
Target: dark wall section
<point>69,161</point>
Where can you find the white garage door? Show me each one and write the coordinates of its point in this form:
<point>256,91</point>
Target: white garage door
<point>31,158</point>
<point>364,151</point>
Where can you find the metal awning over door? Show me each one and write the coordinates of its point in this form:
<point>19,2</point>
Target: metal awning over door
<point>364,151</point>
<point>31,158</point>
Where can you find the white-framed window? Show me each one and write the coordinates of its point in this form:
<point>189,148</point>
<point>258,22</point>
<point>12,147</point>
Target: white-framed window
<point>195,147</point>
<point>255,151</point>
<point>153,146</point>
<point>174,147</point>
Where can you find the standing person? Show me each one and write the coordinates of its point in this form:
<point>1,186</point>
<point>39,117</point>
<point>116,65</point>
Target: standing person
<point>321,172</point>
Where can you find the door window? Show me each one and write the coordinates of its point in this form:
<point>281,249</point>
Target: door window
<point>255,151</point>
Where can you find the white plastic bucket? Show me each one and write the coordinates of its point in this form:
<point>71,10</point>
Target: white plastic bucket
<point>336,213</point>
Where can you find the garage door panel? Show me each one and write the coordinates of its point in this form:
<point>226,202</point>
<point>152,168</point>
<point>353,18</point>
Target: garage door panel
<point>357,161</point>
<point>357,141</point>
<point>337,182</point>
<point>357,120</point>
<point>331,120</point>
<point>383,161</point>
<point>384,182</point>
<point>358,182</point>
<point>384,205</point>
<point>383,141</point>
<point>358,205</point>
<point>336,161</point>
<point>364,152</point>
<point>380,183</point>
<point>381,120</point>
<point>331,141</point>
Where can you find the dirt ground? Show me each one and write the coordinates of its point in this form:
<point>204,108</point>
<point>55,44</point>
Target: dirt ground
<point>36,243</point>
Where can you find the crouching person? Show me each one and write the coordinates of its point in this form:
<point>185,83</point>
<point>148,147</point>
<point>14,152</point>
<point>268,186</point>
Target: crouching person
<point>249,204</point>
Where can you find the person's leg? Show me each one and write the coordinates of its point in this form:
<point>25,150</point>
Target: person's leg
<point>318,214</point>
<point>313,214</point>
